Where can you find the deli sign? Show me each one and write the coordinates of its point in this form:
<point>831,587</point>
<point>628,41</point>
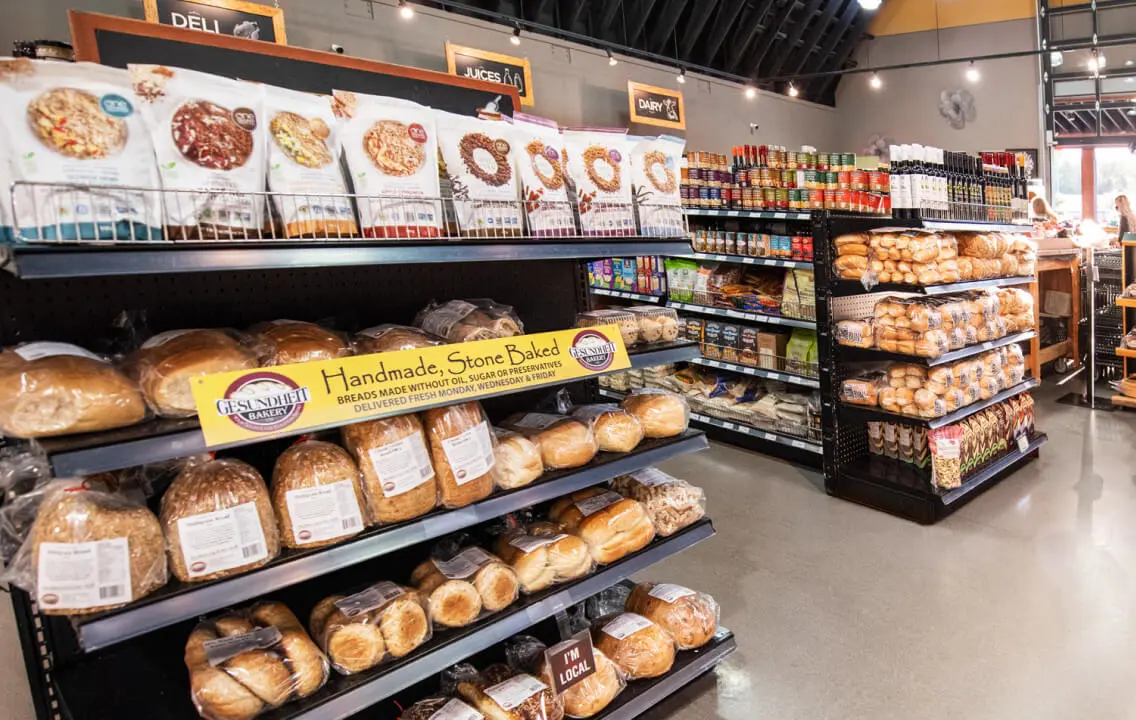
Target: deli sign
<point>477,64</point>
<point>658,106</point>
<point>220,17</point>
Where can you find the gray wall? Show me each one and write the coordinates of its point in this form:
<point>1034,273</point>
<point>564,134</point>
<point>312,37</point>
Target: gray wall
<point>572,85</point>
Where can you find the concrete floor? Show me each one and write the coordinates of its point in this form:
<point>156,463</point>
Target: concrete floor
<point>1019,605</point>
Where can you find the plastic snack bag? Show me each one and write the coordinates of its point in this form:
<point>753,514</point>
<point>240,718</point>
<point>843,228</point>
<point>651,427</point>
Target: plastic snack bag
<point>381,622</point>
<point>655,183</point>
<point>479,160</point>
<point>671,503</point>
<point>599,168</point>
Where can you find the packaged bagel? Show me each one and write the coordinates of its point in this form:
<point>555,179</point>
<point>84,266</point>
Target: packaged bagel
<point>616,430</point>
<point>598,165</point>
<point>544,184</point>
<point>543,554</point>
<point>381,622</point>
<point>461,585</point>
<point>672,504</point>
<point>317,495</point>
<point>690,617</point>
<point>478,159</point>
<point>655,185</point>
<point>564,442</point>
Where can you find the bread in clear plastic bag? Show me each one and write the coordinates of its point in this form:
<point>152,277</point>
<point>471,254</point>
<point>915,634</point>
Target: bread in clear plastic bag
<point>166,364</point>
<point>641,648</point>
<point>501,693</point>
<point>461,585</point>
<point>656,324</point>
<point>462,447</point>
<point>398,476</point>
<point>468,320</point>
<point>381,622</point>
<point>392,338</point>
<point>627,322</point>
<point>317,495</point>
<point>615,429</point>
<point>672,504</point>
<point>218,520</point>
<point>543,554</point>
<point>613,526</point>
<point>663,414</point>
<point>88,549</point>
<point>855,333</point>
<point>564,442</point>
<point>863,390</point>
<point>49,389</point>
<point>286,342</point>
<point>517,460</point>
<point>690,617</point>
<point>440,708</point>
<point>249,661</point>
<point>585,697</point>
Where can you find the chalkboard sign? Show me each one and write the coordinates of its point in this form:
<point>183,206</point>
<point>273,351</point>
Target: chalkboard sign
<point>223,17</point>
<point>474,64</point>
<point>658,106</point>
<point>120,41</point>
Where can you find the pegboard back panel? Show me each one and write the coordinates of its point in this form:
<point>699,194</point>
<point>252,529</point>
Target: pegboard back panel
<point>856,307</point>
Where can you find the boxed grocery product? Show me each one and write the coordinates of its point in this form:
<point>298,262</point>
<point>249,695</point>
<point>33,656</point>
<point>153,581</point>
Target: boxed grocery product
<point>748,352</point>
<point>544,187</point>
<point>771,350</point>
<point>712,340</point>
<point>693,328</point>
<point>730,342</point>
<point>478,161</point>
<point>598,166</point>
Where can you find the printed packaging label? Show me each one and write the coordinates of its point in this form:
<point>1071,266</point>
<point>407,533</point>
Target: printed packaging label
<point>221,540</point>
<point>76,576</point>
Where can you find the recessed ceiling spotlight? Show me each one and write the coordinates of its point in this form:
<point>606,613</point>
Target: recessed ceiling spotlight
<point>611,59</point>
<point>876,81</point>
<point>972,73</point>
<point>405,10</point>
<point>870,4</point>
<point>681,76</point>
<point>793,91</point>
<point>750,93</point>
<point>515,38</point>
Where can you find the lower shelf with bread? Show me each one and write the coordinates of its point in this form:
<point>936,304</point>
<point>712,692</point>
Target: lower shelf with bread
<point>93,686</point>
<point>855,287</point>
<point>864,413</point>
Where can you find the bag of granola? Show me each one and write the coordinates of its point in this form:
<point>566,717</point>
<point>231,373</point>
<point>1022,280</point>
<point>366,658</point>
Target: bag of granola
<point>544,184</point>
<point>478,158</point>
<point>597,164</point>
<point>655,183</point>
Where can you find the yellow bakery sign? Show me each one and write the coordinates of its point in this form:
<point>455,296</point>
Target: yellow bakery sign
<point>286,400</point>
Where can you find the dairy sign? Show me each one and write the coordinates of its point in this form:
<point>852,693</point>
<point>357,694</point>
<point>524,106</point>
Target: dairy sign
<point>235,18</point>
<point>494,67</point>
<point>657,106</point>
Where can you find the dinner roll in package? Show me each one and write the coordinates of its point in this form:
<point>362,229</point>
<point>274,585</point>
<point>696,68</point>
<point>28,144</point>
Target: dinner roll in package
<point>75,124</point>
<point>461,583</point>
<point>379,623</point>
<point>544,183</point>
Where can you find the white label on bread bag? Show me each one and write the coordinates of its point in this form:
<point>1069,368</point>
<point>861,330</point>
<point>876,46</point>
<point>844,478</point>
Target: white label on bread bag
<point>456,710</point>
<point>324,512</point>
<point>528,543</point>
<point>76,576</point>
<point>464,564</point>
<point>625,625</point>
<point>37,350</point>
<point>470,454</point>
<point>669,593</point>
<point>370,599</point>
<point>402,466</point>
<point>537,421</point>
<point>440,321</point>
<point>219,650</point>
<point>591,506</point>
<point>515,691</point>
<point>221,540</point>
<point>650,477</point>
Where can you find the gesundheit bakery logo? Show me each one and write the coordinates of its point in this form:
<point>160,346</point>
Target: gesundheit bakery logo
<point>593,350</point>
<point>264,402</point>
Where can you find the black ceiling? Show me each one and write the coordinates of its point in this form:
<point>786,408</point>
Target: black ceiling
<point>746,38</point>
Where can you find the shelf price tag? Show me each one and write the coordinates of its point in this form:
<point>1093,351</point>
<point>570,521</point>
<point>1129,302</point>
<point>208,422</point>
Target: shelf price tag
<point>571,661</point>
<point>1023,443</point>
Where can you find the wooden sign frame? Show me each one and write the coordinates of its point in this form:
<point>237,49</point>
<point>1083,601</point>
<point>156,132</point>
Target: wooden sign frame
<point>632,86</point>
<point>277,14</point>
<point>453,50</point>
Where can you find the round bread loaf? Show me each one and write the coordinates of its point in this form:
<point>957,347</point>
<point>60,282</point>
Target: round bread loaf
<point>567,444</point>
<point>309,464</point>
<point>662,414</point>
<point>387,452</point>
<point>461,445</point>
<point>392,338</point>
<point>453,603</point>
<point>613,527</point>
<point>691,618</point>
<point>638,646</point>
<point>166,363</point>
<point>618,431</point>
<point>290,341</point>
<point>517,460</point>
<point>591,695</point>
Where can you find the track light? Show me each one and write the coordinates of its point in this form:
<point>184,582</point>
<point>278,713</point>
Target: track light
<point>793,91</point>
<point>876,82</point>
<point>972,73</point>
<point>516,37</point>
<point>405,10</point>
<point>681,76</point>
<point>751,93</point>
<point>611,59</point>
<point>870,4</point>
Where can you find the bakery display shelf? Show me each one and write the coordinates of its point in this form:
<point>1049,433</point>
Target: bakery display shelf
<point>972,226</point>
<point>158,689</point>
<point>639,297</point>
<point>164,439</point>
<point>844,288</point>
<point>741,315</point>
<point>789,440</point>
<point>179,601</point>
<point>864,413</point>
<point>758,372</point>
<point>747,260</point>
<point>749,214</point>
<point>74,261</point>
<point>855,354</point>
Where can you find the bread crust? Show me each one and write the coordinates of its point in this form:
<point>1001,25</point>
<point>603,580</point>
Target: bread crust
<point>307,464</point>
<point>164,369</point>
<point>363,438</point>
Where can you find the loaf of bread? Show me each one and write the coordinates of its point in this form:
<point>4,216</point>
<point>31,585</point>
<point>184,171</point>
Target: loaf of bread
<point>662,414</point>
<point>361,630</point>
<point>855,333</point>
<point>218,521</point>
<point>542,554</point>
<point>591,695</point>
<point>317,495</point>
<point>459,588</point>
<point>131,559</point>
<point>517,460</point>
<point>284,342</point>
<point>461,444</point>
<point>672,504</point>
<point>690,617</point>
<point>468,320</point>
<point>49,389</point>
<point>166,363</point>
<point>613,526</point>
<point>616,430</point>
<point>638,646</point>
<point>398,477</point>
<point>563,442</point>
<point>392,338</point>
<point>501,694</point>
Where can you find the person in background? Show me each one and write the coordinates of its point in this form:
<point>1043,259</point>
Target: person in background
<point>1041,210</point>
<point>1127,222</point>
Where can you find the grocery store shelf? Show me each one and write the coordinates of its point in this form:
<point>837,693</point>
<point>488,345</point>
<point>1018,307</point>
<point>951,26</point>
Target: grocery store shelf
<point>845,288</point>
<point>1125,352</point>
<point>747,260</point>
<point>870,355</point>
<point>740,315</point>
<point>992,470</point>
<point>159,440</point>
<point>1126,302</point>
<point>758,372</point>
<point>963,226</point>
<point>94,689</point>
<point>626,295</point>
<point>179,601</point>
<point>789,440</point>
<point>68,261</point>
<point>858,412</point>
<point>751,214</point>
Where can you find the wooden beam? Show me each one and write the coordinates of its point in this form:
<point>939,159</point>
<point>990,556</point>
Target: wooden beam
<point>789,46</point>
<point>695,24</point>
<point>727,13</point>
<point>769,37</point>
<point>746,32</point>
<point>665,21</point>
<point>810,42</point>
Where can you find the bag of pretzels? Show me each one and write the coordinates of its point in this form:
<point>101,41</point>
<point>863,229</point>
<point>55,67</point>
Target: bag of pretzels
<point>477,157</point>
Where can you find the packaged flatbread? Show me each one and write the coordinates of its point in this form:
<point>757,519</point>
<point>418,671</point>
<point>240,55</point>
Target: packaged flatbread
<point>478,157</point>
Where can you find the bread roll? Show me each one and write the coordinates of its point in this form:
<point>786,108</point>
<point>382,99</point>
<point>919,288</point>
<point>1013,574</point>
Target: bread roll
<point>166,363</point>
<point>638,646</point>
<point>317,495</point>
<point>494,583</point>
<point>361,630</point>
<point>218,520</point>
<point>216,694</point>
<point>398,477</point>
<point>392,338</point>
<point>591,695</point>
<point>662,414</point>
<point>542,555</point>
<point>616,430</point>
<point>691,618</point>
<point>51,394</point>
<point>452,603</point>
<point>289,341</point>
<point>352,645</point>
<point>517,460</point>
<point>500,694</point>
<point>613,526</point>
<point>308,665</point>
<point>461,445</point>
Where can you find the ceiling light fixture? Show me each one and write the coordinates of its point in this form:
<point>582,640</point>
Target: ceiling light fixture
<point>681,76</point>
<point>972,73</point>
<point>405,10</point>
<point>1057,58</point>
<point>870,4</point>
<point>793,91</point>
<point>876,81</point>
<point>611,59</point>
<point>516,37</point>
<point>751,93</point>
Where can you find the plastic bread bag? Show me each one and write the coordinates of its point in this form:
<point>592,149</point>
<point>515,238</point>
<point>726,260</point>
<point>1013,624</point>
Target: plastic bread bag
<point>662,413</point>
<point>209,135</point>
<point>616,430</point>
<point>671,503</point>
<point>166,364</point>
<point>478,158</point>
<point>626,322</point>
<point>218,521</point>
<point>946,456</point>
<point>863,390</point>
<point>381,622</point>
<point>69,126</point>
<point>462,447</point>
<point>317,494</point>
<point>393,454</point>
<point>564,442</point>
<point>596,682</point>
<point>291,341</point>
<point>597,162</point>
<point>655,185</point>
<point>88,547</point>
<point>393,338</point>
<point>304,144</point>
<point>543,554</point>
<point>502,693</point>
<point>544,187</point>
<point>656,324</point>
<point>613,526</point>
<point>639,647</point>
<point>249,661</point>
<point>462,583</point>
<point>467,320</point>
<point>690,617</point>
<point>855,333</point>
<point>440,708</point>
<point>517,460</point>
<point>49,389</point>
